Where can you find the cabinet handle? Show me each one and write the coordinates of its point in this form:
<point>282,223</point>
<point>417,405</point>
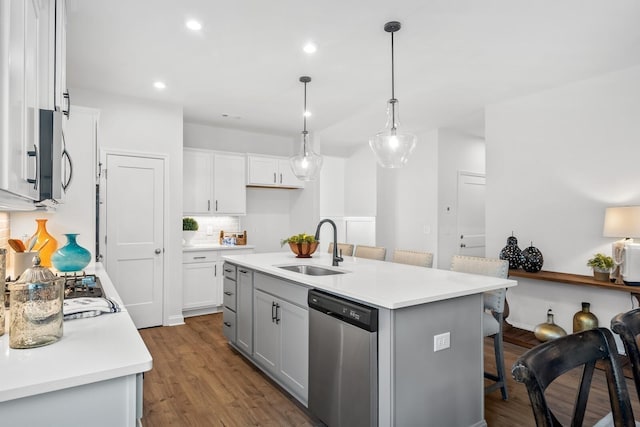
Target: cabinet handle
<point>227,324</point>
<point>243,271</point>
<point>66,96</point>
<point>274,177</point>
<point>277,314</point>
<point>208,205</point>
<point>227,271</point>
<point>216,206</point>
<point>280,178</point>
<point>273,311</point>
<point>215,270</point>
<point>228,293</point>
<point>34,181</point>
<point>199,257</point>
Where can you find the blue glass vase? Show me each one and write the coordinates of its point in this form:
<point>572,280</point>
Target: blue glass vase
<point>71,257</point>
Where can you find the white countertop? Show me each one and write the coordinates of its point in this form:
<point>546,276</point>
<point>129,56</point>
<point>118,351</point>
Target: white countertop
<point>214,247</point>
<point>379,283</point>
<point>90,350</point>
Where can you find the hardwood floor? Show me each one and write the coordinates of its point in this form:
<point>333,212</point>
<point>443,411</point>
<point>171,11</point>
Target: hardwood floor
<point>198,380</point>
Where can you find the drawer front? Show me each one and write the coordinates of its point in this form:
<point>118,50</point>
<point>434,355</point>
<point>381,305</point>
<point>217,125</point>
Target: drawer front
<point>199,256</point>
<point>229,324</point>
<point>286,290</point>
<point>229,271</point>
<point>229,294</point>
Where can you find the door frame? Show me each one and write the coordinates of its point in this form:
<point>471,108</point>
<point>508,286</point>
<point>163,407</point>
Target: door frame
<point>102,211</point>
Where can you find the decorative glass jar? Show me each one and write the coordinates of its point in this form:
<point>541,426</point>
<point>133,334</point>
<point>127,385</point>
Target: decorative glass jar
<point>35,308</point>
<point>584,319</point>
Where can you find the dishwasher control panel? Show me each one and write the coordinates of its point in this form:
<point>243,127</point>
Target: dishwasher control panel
<point>352,312</point>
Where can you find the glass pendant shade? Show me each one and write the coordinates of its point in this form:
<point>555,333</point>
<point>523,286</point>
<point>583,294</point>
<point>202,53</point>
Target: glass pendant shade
<point>306,165</point>
<point>391,146</point>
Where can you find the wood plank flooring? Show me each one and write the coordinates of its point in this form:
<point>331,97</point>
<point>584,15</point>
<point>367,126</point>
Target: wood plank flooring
<point>198,380</point>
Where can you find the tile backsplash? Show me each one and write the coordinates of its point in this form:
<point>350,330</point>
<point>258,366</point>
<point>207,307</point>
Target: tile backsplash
<point>209,228</point>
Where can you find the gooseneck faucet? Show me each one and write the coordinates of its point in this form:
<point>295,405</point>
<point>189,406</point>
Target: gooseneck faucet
<point>336,257</point>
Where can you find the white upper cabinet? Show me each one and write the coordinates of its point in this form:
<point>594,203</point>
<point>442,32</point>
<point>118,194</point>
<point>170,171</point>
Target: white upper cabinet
<point>271,171</point>
<point>213,183</point>
<point>19,101</point>
<point>53,52</point>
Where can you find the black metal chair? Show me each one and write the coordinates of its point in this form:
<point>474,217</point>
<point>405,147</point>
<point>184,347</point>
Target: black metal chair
<point>627,325</point>
<point>541,365</point>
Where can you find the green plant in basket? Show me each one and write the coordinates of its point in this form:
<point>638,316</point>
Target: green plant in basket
<point>189,224</point>
<point>299,238</point>
<point>600,262</point>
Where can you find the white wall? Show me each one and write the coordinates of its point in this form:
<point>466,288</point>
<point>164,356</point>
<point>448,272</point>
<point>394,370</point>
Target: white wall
<point>131,124</point>
<point>406,208</point>
<point>359,183</point>
<point>555,161</point>
<point>457,152</point>
<point>215,138</point>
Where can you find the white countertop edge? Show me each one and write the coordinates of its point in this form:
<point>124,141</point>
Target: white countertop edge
<point>370,275</point>
<point>215,247</point>
<point>74,360</point>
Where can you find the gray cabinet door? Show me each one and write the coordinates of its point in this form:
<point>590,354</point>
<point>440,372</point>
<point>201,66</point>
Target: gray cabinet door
<point>266,330</point>
<point>245,310</point>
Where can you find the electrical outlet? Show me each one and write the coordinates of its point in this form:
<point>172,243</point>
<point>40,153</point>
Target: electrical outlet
<point>209,230</point>
<point>441,341</point>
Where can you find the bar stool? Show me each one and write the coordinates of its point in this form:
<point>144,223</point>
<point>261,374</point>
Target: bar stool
<point>370,252</point>
<point>422,259</point>
<point>345,249</point>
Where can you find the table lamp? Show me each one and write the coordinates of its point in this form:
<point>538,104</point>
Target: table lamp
<point>621,221</point>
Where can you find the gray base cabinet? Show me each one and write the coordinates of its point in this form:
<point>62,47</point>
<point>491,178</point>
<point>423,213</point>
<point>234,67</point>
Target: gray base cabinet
<point>267,319</point>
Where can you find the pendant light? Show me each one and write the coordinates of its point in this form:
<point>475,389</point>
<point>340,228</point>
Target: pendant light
<point>306,165</point>
<point>392,147</point>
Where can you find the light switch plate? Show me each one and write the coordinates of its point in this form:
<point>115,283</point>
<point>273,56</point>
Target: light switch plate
<point>441,341</point>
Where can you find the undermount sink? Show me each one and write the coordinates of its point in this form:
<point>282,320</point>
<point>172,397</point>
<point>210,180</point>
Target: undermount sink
<point>310,270</point>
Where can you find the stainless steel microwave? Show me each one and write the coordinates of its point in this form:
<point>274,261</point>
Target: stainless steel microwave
<point>54,163</point>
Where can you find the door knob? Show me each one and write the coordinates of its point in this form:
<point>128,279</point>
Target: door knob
<point>158,251</point>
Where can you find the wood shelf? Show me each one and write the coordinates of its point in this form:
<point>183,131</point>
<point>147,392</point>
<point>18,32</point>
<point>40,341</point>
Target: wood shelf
<point>572,279</point>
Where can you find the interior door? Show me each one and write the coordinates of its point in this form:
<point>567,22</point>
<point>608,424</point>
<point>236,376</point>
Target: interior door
<point>471,214</point>
<point>134,233</point>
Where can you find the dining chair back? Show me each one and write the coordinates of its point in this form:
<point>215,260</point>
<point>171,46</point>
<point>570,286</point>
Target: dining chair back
<point>493,315</point>
<point>371,252</point>
<point>346,248</point>
<point>422,259</point>
<point>627,325</point>
<point>543,364</point>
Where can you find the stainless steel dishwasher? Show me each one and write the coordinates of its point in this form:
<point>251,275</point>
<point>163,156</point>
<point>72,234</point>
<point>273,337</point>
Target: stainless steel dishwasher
<point>343,361</point>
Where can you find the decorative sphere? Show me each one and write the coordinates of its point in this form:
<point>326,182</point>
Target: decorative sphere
<point>512,253</point>
<point>533,259</point>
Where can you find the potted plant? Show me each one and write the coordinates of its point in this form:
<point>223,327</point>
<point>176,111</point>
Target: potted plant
<point>602,265</point>
<point>303,245</point>
<point>189,228</point>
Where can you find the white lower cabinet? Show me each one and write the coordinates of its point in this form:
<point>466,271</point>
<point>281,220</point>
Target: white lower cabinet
<point>281,333</point>
<point>201,282</point>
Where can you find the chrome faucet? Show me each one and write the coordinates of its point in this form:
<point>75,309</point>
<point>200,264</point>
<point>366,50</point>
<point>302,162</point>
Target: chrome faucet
<point>336,258</point>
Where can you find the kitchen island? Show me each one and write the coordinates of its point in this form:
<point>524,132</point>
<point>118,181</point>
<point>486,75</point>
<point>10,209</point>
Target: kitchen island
<point>416,384</point>
<point>92,376</point>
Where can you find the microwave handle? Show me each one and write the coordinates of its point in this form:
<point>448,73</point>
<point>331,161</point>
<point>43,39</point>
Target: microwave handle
<point>66,180</point>
<point>34,180</point>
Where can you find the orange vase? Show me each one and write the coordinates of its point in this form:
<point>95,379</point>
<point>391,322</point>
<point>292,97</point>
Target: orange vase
<point>45,249</point>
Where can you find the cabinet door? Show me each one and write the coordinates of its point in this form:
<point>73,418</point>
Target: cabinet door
<point>262,171</point>
<point>197,182</point>
<point>244,310</point>
<point>61,95</point>
<point>230,191</point>
<point>294,348</point>
<point>266,332</point>
<point>19,100</point>
<point>286,178</point>
<point>199,285</point>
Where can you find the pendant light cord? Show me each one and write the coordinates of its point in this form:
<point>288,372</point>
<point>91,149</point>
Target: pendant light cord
<point>304,121</point>
<point>393,92</point>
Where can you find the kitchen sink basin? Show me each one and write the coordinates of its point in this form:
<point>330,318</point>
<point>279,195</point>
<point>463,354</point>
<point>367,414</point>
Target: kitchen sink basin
<point>310,270</point>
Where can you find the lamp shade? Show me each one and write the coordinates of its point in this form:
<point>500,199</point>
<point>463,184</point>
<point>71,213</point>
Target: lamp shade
<point>622,221</point>
<point>306,165</point>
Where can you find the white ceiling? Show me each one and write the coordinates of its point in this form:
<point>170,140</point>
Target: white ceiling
<point>452,57</point>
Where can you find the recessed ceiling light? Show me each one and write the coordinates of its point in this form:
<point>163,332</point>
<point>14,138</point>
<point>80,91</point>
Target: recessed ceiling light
<point>307,113</point>
<point>159,85</point>
<point>193,25</point>
<point>310,47</point>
